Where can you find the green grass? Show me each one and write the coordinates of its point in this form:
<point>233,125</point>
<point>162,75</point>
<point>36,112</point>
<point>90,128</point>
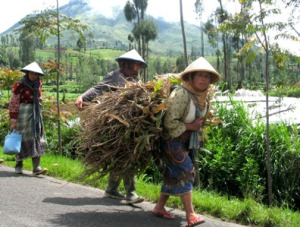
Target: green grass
<point>69,96</point>
<point>108,54</point>
<point>45,54</point>
<point>246,212</point>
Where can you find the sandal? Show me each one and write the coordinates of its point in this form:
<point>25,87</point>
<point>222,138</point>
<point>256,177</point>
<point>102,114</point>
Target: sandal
<point>165,215</point>
<point>195,221</point>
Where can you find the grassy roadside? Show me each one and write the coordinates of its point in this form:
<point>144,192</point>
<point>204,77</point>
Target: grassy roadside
<point>246,212</point>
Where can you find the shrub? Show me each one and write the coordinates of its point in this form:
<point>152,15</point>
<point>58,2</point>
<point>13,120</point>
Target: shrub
<point>69,137</point>
<point>237,165</point>
<point>4,121</point>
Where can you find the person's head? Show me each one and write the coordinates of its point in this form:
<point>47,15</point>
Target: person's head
<point>130,63</point>
<point>32,76</point>
<point>33,71</point>
<point>200,74</point>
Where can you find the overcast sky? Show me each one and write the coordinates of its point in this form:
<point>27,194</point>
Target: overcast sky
<point>14,10</point>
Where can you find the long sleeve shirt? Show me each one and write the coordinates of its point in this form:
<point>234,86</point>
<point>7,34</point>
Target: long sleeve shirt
<point>21,94</point>
<point>181,109</point>
<point>114,78</point>
<point>178,108</point>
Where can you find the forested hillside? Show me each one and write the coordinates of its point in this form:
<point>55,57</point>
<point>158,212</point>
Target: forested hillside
<point>227,44</point>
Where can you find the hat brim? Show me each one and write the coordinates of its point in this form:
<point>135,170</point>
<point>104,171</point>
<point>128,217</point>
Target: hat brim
<point>215,77</point>
<point>145,65</point>
<point>26,71</point>
<point>33,67</point>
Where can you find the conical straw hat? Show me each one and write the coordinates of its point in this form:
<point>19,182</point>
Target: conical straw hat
<point>33,67</point>
<point>201,65</point>
<point>132,55</point>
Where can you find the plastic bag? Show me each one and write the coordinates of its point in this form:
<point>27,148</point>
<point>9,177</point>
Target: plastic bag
<point>12,143</point>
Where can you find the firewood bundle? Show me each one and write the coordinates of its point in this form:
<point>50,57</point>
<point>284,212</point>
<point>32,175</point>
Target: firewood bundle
<point>122,128</point>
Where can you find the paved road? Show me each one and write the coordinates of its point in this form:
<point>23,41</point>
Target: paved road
<point>44,201</point>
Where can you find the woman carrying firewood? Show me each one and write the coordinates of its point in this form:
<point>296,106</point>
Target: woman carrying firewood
<point>129,65</point>
<point>184,119</point>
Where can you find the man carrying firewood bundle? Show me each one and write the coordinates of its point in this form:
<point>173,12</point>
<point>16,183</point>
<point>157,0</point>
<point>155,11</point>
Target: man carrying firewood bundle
<point>129,65</point>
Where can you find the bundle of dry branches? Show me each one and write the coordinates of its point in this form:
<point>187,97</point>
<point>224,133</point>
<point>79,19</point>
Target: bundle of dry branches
<point>122,128</point>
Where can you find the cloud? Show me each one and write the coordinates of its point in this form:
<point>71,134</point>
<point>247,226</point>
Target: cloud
<point>167,9</point>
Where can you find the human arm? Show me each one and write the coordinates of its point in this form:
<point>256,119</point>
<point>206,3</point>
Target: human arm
<point>90,94</point>
<point>112,79</point>
<point>177,108</point>
<point>79,102</point>
<point>13,124</point>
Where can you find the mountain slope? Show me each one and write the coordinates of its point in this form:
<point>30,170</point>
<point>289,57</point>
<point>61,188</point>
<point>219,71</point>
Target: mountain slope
<point>113,33</point>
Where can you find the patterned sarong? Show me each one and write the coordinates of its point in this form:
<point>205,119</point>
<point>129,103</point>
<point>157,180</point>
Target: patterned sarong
<point>180,172</point>
<point>31,145</point>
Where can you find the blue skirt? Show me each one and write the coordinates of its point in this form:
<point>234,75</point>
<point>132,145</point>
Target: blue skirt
<point>180,172</point>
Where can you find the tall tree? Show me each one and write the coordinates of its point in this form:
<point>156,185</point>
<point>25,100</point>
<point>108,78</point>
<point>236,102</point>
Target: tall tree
<point>294,16</point>
<point>199,10</point>
<point>263,29</point>
<point>58,76</point>
<point>213,38</point>
<point>148,30</point>
<point>144,30</point>
<point>135,12</point>
<point>27,50</point>
<point>264,42</point>
<point>130,39</point>
<point>91,36</point>
<point>183,34</point>
<point>80,44</point>
<point>240,34</point>
<point>222,15</point>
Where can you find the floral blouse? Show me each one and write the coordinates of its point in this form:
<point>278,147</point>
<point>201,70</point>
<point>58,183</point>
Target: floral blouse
<point>21,94</point>
<point>179,108</point>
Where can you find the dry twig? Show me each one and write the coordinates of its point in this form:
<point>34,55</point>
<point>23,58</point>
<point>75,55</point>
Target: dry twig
<point>122,128</point>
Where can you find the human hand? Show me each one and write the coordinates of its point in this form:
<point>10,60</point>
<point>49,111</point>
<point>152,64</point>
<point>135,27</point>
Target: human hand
<point>195,125</point>
<point>13,124</point>
<point>79,102</point>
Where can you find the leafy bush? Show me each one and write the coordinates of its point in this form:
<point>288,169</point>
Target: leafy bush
<point>69,137</point>
<point>237,165</point>
<point>289,90</point>
<point>293,93</point>
<point>70,129</point>
<point>4,121</point>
